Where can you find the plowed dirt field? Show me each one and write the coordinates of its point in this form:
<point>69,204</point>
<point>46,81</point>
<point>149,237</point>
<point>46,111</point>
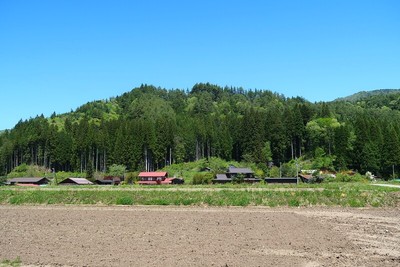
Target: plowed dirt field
<point>199,236</point>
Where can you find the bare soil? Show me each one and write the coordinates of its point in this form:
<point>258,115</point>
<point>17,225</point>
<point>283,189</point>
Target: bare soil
<point>199,236</point>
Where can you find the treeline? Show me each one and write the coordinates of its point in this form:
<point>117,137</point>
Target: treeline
<point>149,128</point>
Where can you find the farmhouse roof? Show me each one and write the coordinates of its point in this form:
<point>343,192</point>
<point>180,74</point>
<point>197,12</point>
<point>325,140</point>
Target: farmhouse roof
<point>78,181</point>
<point>222,177</point>
<point>306,176</point>
<point>239,170</point>
<point>153,174</point>
<point>28,180</point>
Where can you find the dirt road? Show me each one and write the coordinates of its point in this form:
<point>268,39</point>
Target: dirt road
<point>199,236</point>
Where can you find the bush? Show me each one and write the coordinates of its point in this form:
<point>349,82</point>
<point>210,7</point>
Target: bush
<point>238,179</point>
<point>131,177</point>
<point>274,171</point>
<point>21,168</point>
<point>289,170</point>
<point>117,170</point>
<point>344,177</point>
<point>203,178</point>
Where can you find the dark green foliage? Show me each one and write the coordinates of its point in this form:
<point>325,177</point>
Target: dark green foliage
<point>150,128</point>
<point>370,95</point>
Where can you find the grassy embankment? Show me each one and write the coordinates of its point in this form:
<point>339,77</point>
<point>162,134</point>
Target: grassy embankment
<point>331,194</point>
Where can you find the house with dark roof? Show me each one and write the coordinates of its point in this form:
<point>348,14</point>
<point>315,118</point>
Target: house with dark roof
<point>33,181</point>
<point>109,180</point>
<point>236,175</point>
<point>75,181</point>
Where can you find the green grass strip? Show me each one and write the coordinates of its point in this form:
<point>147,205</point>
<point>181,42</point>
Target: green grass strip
<point>345,196</point>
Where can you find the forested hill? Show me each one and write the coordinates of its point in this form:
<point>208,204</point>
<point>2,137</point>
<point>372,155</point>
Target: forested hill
<point>148,128</point>
<point>385,96</point>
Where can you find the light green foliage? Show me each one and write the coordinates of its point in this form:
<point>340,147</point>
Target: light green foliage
<point>274,172</point>
<point>289,169</point>
<point>63,175</point>
<point>25,170</point>
<point>321,160</point>
<point>321,131</point>
<point>117,170</point>
<point>259,173</point>
<point>344,177</point>
<point>333,194</point>
<point>11,263</point>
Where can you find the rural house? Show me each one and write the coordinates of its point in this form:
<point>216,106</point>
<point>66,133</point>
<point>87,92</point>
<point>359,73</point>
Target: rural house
<point>31,181</point>
<point>237,174</point>
<point>152,178</point>
<point>75,181</point>
<point>109,180</point>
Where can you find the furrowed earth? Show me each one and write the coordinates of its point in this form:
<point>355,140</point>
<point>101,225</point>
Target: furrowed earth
<point>199,236</point>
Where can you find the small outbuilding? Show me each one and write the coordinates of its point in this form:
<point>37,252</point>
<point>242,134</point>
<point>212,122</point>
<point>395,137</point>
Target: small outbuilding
<point>281,180</point>
<point>28,181</point>
<point>75,181</point>
<point>109,180</point>
<point>176,180</point>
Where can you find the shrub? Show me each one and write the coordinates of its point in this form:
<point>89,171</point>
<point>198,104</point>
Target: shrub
<point>117,170</point>
<point>21,168</point>
<point>274,171</point>
<point>289,170</point>
<point>259,173</point>
<point>202,178</point>
<point>344,177</point>
<point>131,177</point>
<point>12,263</point>
<point>238,179</point>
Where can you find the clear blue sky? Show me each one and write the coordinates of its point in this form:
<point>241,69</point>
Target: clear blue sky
<point>59,54</point>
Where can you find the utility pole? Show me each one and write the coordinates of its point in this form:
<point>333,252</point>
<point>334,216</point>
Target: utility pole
<point>297,172</point>
<point>54,176</point>
<point>393,171</point>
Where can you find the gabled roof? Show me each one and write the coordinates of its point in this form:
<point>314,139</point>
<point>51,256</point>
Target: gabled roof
<point>306,176</point>
<point>78,181</point>
<point>239,170</point>
<point>222,177</point>
<point>153,174</point>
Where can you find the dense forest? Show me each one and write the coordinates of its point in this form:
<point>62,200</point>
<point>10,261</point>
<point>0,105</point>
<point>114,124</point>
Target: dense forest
<point>149,128</point>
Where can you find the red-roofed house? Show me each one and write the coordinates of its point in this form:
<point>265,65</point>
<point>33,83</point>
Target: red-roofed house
<point>153,178</point>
